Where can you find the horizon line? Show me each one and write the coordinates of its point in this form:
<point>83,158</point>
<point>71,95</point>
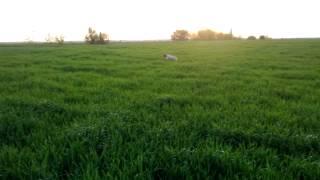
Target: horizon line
<point>142,40</point>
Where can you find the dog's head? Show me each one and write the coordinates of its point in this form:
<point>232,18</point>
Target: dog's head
<point>165,55</point>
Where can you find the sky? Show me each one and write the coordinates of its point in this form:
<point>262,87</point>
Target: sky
<point>22,20</point>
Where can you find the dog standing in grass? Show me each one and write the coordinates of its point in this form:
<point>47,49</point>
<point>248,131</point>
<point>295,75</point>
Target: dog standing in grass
<point>170,57</point>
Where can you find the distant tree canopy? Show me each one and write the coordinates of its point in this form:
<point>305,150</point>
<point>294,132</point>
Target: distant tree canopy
<point>180,35</point>
<point>264,37</point>
<point>208,34</point>
<point>55,39</point>
<point>59,39</point>
<point>252,38</point>
<point>94,38</point>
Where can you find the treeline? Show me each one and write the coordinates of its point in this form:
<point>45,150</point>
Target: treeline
<point>96,38</point>
<point>262,37</point>
<point>59,39</point>
<point>208,35</point>
<point>92,37</point>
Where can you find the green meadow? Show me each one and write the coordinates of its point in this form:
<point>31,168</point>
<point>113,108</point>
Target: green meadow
<point>225,110</point>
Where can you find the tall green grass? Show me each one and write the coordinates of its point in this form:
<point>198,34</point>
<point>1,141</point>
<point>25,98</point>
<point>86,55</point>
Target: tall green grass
<point>224,110</point>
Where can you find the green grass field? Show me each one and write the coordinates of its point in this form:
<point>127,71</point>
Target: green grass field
<point>224,110</point>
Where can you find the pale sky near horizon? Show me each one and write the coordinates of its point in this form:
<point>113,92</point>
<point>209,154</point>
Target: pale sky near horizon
<point>156,19</point>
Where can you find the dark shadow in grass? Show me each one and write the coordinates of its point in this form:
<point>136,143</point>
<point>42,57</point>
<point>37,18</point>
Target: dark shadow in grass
<point>16,130</point>
<point>19,119</point>
<point>46,111</point>
<point>285,145</point>
<point>164,102</point>
<point>72,69</point>
<point>277,67</point>
<point>44,85</point>
<point>13,76</point>
<point>283,53</point>
<point>286,94</point>
<point>317,84</point>
<point>185,163</point>
<point>76,100</point>
<point>75,57</point>
<point>296,76</point>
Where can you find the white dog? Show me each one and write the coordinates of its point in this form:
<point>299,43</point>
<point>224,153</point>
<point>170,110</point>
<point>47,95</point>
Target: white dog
<point>170,57</point>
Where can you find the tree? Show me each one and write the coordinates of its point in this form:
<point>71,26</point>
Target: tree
<point>264,37</point>
<point>49,38</point>
<point>194,36</point>
<point>223,36</point>
<point>94,38</point>
<point>207,34</point>
<point>103,38</point>
<point>180,35</point>
<point>252,38</point>
<point>59,39</point>
<point>55,39</point>
<point>92,35</point>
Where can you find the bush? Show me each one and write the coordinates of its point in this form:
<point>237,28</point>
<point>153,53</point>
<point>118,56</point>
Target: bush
<point>252,38</point>
<point>94,38</point>
<point>180,35</point>
<point>59,39</point>
<point>55,39</point>
<point>208,34</point>
<point>264,37</point>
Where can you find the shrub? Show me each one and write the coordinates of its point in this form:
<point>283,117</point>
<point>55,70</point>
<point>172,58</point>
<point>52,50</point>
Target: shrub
<point>55,39</point>
<point>94,38</point>
<point>208,34</point>
<point>59,39</point>
<point>252,38</point>
<point>180,35</point>
<point>264,37</point>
